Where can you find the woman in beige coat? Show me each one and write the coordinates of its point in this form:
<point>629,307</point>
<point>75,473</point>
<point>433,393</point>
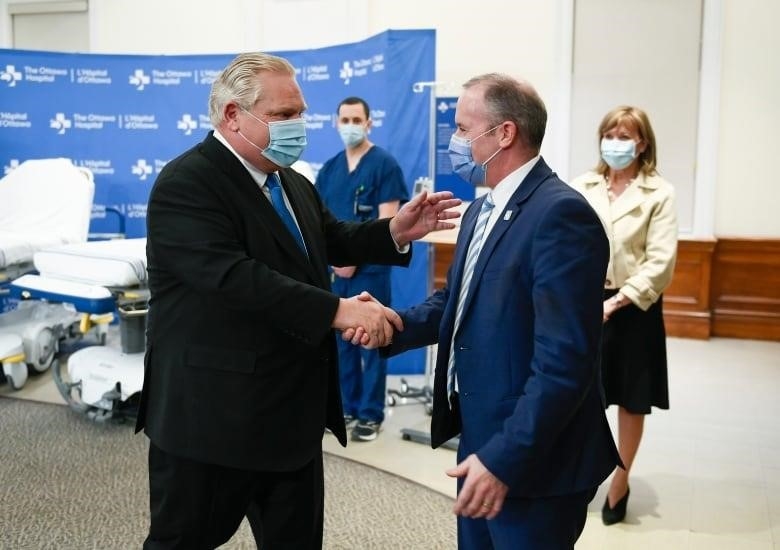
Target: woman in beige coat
<point>638,210</point>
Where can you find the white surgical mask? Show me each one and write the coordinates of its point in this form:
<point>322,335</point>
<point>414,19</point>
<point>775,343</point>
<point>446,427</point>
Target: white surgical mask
<point>286,140</point>
<point>352,134</point>
<point>618,153</point>
<point>463,162</point>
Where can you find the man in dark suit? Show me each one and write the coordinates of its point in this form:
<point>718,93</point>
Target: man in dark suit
<point>518,328</point>
<point>241,374</point>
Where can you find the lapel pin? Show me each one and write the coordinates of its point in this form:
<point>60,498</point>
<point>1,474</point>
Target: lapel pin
<point>507,215</point>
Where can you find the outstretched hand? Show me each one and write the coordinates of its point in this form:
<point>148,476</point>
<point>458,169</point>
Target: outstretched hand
<point>426,212</point>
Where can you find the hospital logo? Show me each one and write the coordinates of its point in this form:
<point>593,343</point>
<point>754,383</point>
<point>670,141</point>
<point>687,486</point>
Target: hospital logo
<point>60,123</point>
<point>139,79</point>
<point>187,124</point>
<point>12,165</point>
<point>358,68</point>
<point>443,107</point>
<point>346,72</point>
<point>316,73</point>
<point>141,169</point>
<point>10,75</point>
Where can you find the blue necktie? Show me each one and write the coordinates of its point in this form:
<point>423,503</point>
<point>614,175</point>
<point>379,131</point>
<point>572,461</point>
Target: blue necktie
<point>277,199</point>
<point>475,246</point>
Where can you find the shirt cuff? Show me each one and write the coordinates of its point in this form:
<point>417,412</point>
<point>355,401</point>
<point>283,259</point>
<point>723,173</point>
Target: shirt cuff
<point>400,249</point>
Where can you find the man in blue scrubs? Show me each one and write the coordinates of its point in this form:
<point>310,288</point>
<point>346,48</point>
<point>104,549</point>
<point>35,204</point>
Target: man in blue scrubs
<point>362,182</point>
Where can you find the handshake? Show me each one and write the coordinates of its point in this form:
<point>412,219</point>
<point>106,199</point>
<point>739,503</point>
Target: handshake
<point>364,321</point>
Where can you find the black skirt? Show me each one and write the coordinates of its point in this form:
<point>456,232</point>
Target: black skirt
<point>633,358</point>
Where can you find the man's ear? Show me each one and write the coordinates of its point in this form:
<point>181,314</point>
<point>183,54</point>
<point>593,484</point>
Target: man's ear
<point>230,114</point>
<point>509,129</point>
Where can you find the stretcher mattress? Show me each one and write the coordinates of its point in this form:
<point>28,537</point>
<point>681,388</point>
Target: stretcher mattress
<point>118,263</point>
<point>43,203</point>
<point>16,248</point>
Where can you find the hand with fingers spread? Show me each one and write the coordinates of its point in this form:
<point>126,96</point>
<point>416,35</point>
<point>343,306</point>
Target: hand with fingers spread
<point>426,212</point>
<point>482,494</point>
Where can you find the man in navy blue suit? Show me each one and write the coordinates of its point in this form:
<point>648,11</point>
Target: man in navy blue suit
<point>518,327</point>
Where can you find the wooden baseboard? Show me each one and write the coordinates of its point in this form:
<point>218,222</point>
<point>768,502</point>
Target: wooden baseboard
<point>685,324</point>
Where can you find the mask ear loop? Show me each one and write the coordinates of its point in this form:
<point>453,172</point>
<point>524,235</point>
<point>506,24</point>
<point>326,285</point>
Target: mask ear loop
<point>491,157</point>
<point>484,164</point>
<point>256,146</point>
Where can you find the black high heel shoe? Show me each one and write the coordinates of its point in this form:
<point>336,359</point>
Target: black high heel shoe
<point>616,514</point>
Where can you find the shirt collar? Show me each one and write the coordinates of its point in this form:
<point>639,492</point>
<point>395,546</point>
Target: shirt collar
<point>504,190</point>
<point>257,175</point>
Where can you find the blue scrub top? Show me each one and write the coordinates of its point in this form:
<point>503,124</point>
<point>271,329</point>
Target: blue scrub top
<point>356,196</point>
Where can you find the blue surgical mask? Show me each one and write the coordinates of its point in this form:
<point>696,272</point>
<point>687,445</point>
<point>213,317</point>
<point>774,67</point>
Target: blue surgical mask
<point>618,153</point>
<point>286,140</point>
<point>352,134</point>
<point>463,163</point>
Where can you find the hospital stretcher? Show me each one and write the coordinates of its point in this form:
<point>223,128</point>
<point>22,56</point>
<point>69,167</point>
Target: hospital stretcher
<point>97,279</point>
<point>43,203</point>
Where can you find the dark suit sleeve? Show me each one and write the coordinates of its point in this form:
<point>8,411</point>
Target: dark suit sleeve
<point>569,255</point>
<point>421,325</point>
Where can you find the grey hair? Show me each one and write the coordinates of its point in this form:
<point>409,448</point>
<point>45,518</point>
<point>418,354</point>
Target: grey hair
<point>507,98</point>
<point>238,82</point>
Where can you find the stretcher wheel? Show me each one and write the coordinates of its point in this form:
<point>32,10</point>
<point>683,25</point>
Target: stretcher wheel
<point>390,401</point>
<point>16,374</point>
<point>44,348</point>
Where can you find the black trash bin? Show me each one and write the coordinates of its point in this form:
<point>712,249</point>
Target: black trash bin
<point>132,326</point>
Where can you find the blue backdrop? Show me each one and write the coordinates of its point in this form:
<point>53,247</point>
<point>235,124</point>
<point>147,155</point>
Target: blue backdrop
<point>125,116</point>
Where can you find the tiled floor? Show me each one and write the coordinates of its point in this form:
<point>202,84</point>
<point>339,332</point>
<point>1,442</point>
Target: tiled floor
<point>706,477</point>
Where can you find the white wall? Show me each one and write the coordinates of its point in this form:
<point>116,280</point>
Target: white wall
<point>527,38</point>
<point>613,65</point>
<point>748,188</point>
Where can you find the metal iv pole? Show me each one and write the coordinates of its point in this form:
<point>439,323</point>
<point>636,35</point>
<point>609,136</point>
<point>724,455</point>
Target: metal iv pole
<point>424,394</point>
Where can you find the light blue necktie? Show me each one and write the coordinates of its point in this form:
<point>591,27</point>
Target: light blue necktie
<point>277,199</point>
<point>475,246</point>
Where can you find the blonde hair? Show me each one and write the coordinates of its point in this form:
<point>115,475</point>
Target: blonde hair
<point>636,118</point>
<point>238,82</point>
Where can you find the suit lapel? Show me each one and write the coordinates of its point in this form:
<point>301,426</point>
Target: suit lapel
<point>511,212</point>
<point>260,207</point>
<point>306,217</point>
<point>632,197</point>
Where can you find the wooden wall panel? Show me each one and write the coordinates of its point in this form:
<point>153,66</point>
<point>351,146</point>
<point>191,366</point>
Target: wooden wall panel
<point>746,289</point>
<point>687,300</point>
<point>443,253</point>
